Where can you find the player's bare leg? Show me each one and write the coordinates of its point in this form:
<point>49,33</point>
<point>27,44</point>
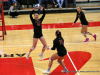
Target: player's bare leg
<point>63,65</point>
<point>94,35</point>
<point>43,41</point>
<point>52,58</point>
<point>32,48</point>
<point>83,30</point>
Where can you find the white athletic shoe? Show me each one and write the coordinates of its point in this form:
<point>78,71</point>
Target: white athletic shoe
<point>27,56</point>
<point>60,7</point>
<point>46,72</point>
<point>56,5</point>
<point>63,71</point>
<point>41,56</point>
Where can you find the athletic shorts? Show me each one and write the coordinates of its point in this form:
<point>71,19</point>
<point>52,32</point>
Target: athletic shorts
<point>84,23</point>
<point>62,53</point>
<point>37,36</point>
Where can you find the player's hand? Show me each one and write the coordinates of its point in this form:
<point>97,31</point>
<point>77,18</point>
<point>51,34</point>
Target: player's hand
<point>41,7</point>
<point>34,8</point>
<point>47,47</point>
<point>80,25</point>
<point>73,24</point>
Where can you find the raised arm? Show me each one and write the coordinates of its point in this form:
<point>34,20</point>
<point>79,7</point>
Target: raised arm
<point>32,12</point>
<point>43,15</point>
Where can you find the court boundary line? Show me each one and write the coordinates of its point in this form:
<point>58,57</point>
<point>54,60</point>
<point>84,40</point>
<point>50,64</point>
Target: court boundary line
<point>49,44</point>
<point>38,69</point>
<point>73,64</point>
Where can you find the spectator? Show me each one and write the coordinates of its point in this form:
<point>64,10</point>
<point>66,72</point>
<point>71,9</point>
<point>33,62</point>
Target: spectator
<point>74,3</point>
<point>15,3</point>
<point>39,1</point>
<point>23,7</point>
<point>13,11</point>
<point>46,3</point>
<point>60,3</point>
<point>53,3</point>
<point>66,3</point>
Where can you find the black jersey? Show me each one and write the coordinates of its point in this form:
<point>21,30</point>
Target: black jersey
<point>37,24</point>
<point>59,44</point>
<point>82,18</point>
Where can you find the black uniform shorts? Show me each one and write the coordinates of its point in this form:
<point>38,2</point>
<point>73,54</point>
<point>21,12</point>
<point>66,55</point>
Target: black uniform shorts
<point>37,35</point>
<point>84,23</point>
<point>62,53</point>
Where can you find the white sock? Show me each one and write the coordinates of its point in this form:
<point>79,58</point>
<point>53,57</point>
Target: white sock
<point>42,53</point>
<point>86,37</point>
<point>28,53</point>
<point>48,69</point>
<point>65,69</point>
<point>92,34</point>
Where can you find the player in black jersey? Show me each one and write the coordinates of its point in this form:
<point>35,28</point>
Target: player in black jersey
<point>61,52</point>
<point>37,24</point>
<point>84,24</point>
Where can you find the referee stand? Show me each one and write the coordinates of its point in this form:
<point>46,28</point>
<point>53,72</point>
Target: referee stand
<point>2,22</point>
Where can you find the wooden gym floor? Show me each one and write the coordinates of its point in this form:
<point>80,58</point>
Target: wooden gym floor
<point>20,41</point>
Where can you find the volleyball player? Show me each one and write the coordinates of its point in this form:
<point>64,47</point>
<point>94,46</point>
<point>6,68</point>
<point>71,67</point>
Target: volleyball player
<point>84,24</point>
<point>61,52</point>
<point>37,24</point>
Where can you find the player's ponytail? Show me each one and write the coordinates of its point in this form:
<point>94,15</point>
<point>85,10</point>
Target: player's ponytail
<point>80,8</point>
<point>58,33</point>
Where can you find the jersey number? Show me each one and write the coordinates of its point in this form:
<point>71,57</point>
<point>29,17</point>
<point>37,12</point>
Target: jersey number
<point>79,16</point>
<point>38,23</point>
<point>61,42</point>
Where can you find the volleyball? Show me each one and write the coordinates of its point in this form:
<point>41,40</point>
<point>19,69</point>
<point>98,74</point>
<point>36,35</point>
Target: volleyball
<point>37,6</point>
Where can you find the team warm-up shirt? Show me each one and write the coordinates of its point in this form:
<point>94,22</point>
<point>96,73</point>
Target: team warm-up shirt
<point>81,16</point>
<point>59,44</point>
<point>37,24</point>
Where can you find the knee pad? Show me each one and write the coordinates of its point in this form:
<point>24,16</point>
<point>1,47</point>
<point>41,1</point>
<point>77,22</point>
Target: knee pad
<point>32,48</point>
<point>87,32</point>
<point>59,62</point>
<point>83,33</point>
<point>50,59</point>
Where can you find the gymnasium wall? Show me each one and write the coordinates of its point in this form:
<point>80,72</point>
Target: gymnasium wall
<point>81,0</point>
<point>86,0</point>
<point>94,0</point>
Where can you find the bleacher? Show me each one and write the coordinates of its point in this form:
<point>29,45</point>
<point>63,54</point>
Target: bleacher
<point>88,3</point>
<point>85,4</point>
